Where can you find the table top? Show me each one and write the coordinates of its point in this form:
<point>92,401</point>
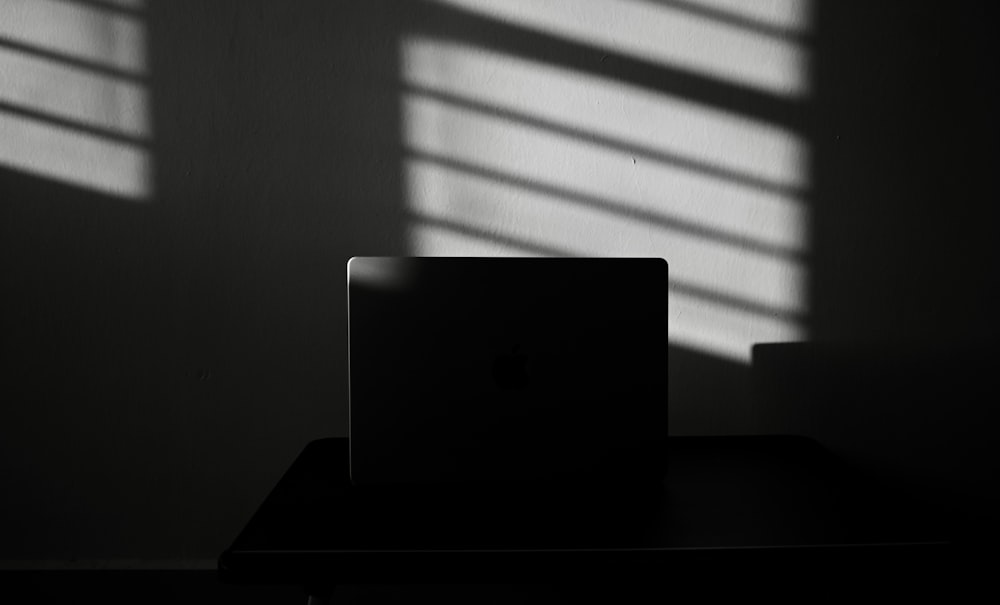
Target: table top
<point>720,493</point>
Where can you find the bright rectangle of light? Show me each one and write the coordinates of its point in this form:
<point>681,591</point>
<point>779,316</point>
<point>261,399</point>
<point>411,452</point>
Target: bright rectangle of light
<point>513,213</point>
<point>438,128</point>
<point>608,108</point>
<point>104,37</point>
<point>658,33</point>
<point>84,160</point>
<point>717,328</point>
<point>73,94</point>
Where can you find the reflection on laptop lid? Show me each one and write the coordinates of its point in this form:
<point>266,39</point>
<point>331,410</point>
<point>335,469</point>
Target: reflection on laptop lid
<point>486,369</point>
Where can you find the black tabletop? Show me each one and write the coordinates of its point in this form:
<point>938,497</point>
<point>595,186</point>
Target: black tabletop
<point>721,494</point>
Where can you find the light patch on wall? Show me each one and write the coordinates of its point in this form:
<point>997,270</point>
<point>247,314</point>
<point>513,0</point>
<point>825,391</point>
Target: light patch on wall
<point>510,156</point>
<point>573,165</point>
<point>74,105</point>
<point>613,111</point>
<point>104,36</point>
<point>71,93</point>
<point>753,48</point>
<point>81,159</point>
<point>513,213</point>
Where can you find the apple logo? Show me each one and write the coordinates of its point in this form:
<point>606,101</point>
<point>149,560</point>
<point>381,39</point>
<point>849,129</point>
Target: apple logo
<point>510,370</point>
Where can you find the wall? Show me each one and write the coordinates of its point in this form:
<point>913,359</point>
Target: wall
<point>170,355</point>
<point>172,341</point>
<point>904,284</point>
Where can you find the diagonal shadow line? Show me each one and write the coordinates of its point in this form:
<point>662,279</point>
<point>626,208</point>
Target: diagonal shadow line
<point>621,210</point>
<point>477,31</point>
<point>681,287</point>
<point>656,155</point>
<point>736,21</point>
<point>93,131</point>
<point>70,61</point>
<point>106,6</point>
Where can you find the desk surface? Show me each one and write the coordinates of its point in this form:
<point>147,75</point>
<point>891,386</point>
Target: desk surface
<point>720,493</point>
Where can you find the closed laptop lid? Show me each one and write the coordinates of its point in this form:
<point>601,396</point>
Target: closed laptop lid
<point>485,369</point>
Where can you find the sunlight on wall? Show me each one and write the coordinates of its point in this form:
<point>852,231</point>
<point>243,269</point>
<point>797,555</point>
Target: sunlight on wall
<point>746,43</point>
<point>73,100</point>
<point>509,156</point>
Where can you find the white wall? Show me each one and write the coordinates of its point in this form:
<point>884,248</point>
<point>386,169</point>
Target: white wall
<point>173,263</point>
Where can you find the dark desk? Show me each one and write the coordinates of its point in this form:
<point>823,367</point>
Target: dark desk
<point>724,497</point>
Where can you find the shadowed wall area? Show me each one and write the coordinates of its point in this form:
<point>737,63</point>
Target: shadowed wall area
<point>904,280</point>
<point>182,183</point>
<point>169,356</point>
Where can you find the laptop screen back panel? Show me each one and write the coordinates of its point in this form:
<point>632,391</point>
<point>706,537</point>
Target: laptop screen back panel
<point>485,369</point>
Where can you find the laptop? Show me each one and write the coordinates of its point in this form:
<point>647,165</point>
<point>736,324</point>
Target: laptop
<point>507,369</point>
